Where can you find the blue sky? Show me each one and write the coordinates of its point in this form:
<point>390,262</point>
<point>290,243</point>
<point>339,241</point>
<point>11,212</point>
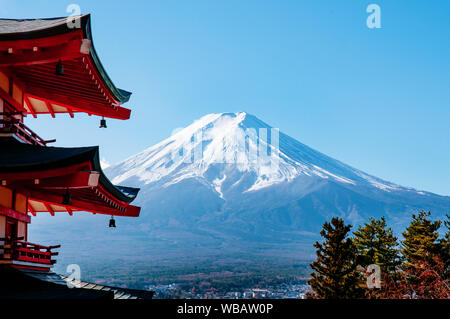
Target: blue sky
<point>377,99</point>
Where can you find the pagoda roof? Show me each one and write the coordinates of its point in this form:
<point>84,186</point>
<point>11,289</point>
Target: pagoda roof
<point>33,47</point>
<point>46,173</point>
<point>38,285</point>
<point>12,29</point>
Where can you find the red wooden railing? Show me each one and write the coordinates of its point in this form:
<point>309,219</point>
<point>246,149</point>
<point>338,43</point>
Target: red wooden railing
<point>17,249</point>
<point>12,125</point>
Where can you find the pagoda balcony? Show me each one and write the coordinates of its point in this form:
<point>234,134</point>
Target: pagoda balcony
<point>10,126</point>
<point>20,253</point>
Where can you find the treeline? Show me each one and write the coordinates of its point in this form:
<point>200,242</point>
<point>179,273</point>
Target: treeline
<point>372,263</point>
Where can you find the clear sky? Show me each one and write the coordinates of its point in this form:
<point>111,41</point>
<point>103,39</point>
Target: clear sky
<point>377,99</point>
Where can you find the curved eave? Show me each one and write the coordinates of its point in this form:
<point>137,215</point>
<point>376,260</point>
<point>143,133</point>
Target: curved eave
<point>114,190</point>
<point>41,28</point>
<point>121,95</point>
<point>24,161</point>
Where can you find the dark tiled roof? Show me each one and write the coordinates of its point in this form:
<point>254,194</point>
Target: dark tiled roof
<point>14,26</point>
<point>32,284</point>
<point>20,157</point>
<point>21,29</point>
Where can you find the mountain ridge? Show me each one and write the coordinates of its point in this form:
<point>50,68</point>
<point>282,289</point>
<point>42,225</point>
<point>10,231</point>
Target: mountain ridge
<point>292,186</point>
<point>203,192</point>
<point>296,157</point>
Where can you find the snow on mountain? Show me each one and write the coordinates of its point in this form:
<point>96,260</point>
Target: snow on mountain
<point>231,177</point>
<point>230,183</point>
<point>240,141</point>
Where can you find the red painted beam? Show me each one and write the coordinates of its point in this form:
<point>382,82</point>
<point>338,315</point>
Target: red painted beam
<point>72,74</point>
<point>47,173</point>
<point>49,209</point>
<point>79,105</point>
<point>50,109</point>
<point>73,80</point>
<point>31,209</point>
<point>31,267</point>
<point>74,92</point>
<point>29,44</point>
<point>30,106</point>
<point>14,214</point>
<point>78,205</point>
<point>8,98</point>
<point>68,51</point>
<point>83,179</point>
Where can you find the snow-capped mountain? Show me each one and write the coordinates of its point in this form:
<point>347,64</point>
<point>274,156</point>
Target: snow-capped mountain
<point>232,180</point>
<point>217,143</point>
<point>231,184</point>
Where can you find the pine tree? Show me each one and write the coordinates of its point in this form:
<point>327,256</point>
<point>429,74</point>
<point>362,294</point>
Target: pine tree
<point>420,239</point>
<point>376,244</point>
<point>424,267</point>
<point>336,274</point>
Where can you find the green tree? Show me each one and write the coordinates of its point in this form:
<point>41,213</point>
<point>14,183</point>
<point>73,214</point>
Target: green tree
<point>420,239</point>
<point>376,244</point>
<point>335,273</point>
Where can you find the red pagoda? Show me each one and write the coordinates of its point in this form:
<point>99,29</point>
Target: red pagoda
<point>49,66</point>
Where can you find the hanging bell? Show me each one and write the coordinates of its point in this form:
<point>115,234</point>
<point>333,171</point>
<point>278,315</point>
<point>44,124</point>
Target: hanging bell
<point>59,70</point>
<point>112,222</point>
<point>103,123</point>
<point>67,199</point>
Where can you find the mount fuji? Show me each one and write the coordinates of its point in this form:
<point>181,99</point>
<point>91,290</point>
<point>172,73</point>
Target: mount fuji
<point>230,180</point>
<point>230,184</point>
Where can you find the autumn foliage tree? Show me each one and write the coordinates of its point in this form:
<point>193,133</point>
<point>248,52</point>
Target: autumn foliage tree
<point>335,273</point>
